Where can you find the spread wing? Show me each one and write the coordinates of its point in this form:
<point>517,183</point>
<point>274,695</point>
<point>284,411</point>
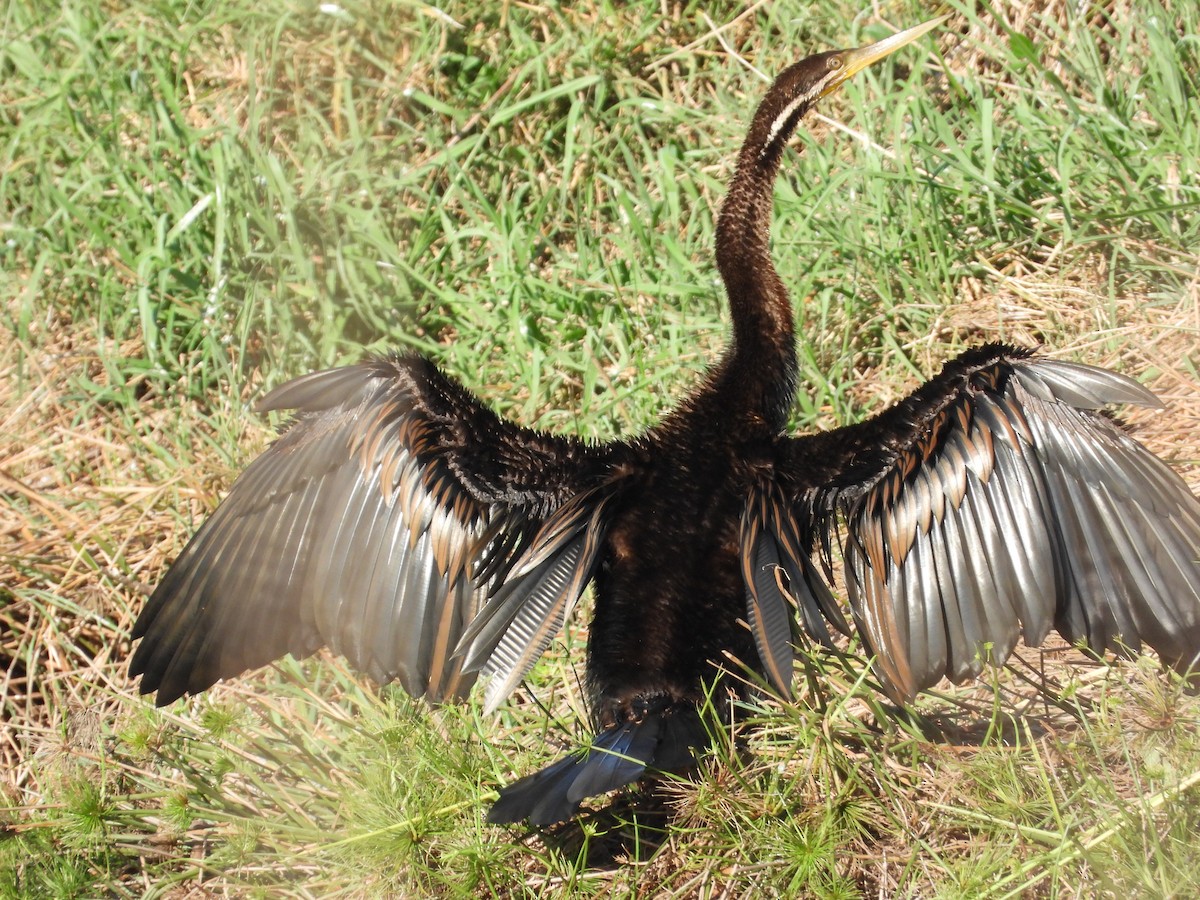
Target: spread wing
<point>378,524</point>
<point>993,504</point>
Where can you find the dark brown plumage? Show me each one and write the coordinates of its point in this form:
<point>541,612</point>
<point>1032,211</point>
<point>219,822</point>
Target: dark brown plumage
<point>404,525</point>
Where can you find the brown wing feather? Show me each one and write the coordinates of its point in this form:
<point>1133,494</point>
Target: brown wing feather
<point>376,525</point>
<point>994,503</point>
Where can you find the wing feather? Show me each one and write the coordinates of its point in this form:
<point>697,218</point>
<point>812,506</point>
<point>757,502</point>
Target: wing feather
<point>780,577</point>
<point>767,609</point>
<point>512,632</point>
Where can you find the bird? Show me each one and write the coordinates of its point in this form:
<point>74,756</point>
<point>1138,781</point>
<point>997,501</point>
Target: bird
<point>400,522</point>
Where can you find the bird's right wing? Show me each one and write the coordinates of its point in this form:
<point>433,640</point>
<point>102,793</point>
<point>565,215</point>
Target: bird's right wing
<point>994,503</point>
<point>377,525</point>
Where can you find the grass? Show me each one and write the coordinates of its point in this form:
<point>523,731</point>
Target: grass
<point>198,201</point>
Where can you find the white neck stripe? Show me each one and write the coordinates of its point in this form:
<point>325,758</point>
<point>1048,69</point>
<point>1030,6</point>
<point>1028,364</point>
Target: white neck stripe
<point>790,110</point>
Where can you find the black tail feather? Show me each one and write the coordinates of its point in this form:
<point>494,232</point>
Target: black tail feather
<point>661,740</point>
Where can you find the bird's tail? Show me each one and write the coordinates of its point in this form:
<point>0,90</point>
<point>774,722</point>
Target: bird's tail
<point>662,739</point>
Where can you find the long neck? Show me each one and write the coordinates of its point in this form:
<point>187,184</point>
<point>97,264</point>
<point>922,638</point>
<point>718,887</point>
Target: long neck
<point>760,362</point>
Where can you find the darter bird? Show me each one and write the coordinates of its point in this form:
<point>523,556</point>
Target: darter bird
<point>403,524</point>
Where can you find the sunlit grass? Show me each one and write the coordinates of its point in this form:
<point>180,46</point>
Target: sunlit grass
<point>199,201</point>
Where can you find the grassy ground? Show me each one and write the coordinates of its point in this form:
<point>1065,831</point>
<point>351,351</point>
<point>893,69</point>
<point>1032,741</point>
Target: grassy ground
<point>200,200</point>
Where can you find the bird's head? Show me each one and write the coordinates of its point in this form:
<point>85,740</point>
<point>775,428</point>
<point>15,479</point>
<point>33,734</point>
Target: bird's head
<point>800,85</point>
<point>842,65</point>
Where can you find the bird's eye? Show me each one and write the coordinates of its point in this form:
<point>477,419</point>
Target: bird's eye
<point>834,62</point>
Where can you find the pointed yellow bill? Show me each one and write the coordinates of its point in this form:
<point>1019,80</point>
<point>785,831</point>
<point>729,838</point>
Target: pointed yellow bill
<point>854,61</point>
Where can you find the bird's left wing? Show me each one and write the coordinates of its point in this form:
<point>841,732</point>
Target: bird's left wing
<point>994,503</point>
<point>378,525</point>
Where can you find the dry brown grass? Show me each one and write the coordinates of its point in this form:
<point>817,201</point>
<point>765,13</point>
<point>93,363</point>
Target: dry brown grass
<point>90,517</point>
